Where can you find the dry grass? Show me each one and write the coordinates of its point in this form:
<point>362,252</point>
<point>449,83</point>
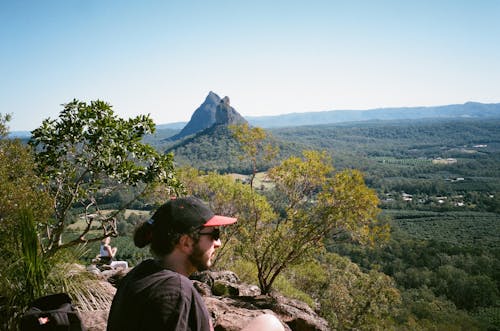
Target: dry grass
<point>87,291</point>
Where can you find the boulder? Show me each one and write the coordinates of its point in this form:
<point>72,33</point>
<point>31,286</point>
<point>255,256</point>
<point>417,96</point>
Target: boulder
<point>229,315</point>
<point>298,315</point>
<point>95,320</point>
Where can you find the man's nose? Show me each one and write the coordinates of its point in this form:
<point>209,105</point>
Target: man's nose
<point>217,243</point>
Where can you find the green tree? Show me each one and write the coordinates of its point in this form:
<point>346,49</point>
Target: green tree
<point>466,291</point>
<point>3,124</point>
<point>89,153</point>
<point>227,197</point>
<point>19,191</point>
<point>312,204</point>
<point>254,144</point>
<point>26,272</point>
<point>422,310</point>
<point>355,300</point>
<point>21,271</point>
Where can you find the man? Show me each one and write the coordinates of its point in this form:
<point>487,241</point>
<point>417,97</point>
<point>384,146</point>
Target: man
<point>157,294</point>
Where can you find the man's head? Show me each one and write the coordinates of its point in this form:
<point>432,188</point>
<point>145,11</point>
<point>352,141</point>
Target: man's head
<point>182,219</point>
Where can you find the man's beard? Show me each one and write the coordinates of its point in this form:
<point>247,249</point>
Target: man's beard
<point>197,259</point>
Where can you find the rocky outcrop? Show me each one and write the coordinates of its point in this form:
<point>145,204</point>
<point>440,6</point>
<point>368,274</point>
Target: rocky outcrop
<point>213,110</point>
<point>231,303</point>
<point>227,115</point>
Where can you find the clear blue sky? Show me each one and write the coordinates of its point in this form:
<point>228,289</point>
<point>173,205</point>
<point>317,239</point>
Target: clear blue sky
<point>270,57</point>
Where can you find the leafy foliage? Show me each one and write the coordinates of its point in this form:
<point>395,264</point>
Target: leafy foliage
<point>422,310</point>
<point>311,204</point>
<point>27,271</point>
<point>461,278</point>
<point>31,274</point>
<point>314,205</point>
<point>87,154</point>
<point>355,299</point>
<point>4,119</point>
<point>254,145</point>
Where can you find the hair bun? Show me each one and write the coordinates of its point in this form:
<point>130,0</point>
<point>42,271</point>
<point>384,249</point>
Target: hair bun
<point>143,234</point>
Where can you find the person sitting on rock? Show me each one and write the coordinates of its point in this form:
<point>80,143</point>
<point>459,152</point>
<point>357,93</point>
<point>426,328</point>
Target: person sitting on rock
<point>106,252</point>
<point>157,294</point>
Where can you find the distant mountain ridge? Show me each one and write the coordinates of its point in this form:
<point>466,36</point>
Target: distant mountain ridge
<point>466,110</point>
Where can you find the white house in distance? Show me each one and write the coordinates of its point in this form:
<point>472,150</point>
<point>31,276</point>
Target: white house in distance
<point>407,197</point>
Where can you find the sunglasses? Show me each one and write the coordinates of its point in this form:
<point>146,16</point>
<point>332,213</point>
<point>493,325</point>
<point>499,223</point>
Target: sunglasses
<point>215,234</point>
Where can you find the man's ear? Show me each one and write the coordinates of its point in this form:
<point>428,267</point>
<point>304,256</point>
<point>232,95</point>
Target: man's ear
<point>186,243</point>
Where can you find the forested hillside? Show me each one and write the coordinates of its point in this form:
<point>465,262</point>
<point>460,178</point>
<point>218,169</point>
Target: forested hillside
<point>215,149</point>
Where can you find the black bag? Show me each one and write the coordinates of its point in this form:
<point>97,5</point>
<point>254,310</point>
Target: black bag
<point>52,312</point>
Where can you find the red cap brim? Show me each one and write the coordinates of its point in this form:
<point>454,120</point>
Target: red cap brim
<point>220,220</point>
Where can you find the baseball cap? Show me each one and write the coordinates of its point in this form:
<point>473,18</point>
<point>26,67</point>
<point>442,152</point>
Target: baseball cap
<point>186,213</point>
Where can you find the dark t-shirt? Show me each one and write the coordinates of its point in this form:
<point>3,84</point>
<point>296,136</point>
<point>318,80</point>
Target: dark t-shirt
<point>153,298</point>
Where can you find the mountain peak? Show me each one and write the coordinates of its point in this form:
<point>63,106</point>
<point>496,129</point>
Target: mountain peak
<point>212,97</point>
<point>202,118</point>
<point>213,110</point>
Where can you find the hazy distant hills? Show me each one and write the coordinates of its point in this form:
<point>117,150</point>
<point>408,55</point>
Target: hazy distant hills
<point>467,110</point>
<point>204,116</point>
